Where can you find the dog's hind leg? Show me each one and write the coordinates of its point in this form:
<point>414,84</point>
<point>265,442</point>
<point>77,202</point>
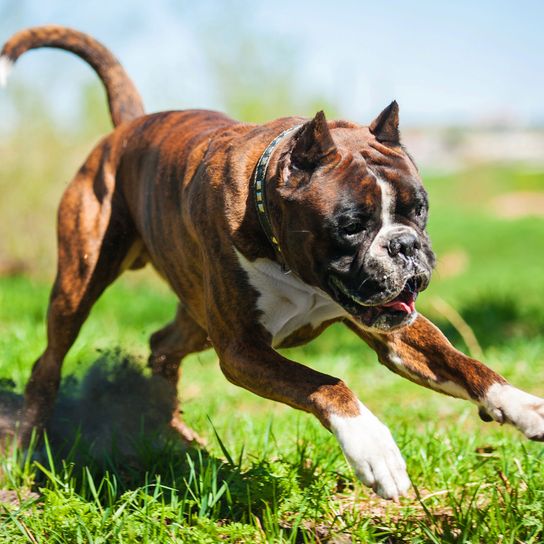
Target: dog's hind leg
<point>169,346</point>
<point>94,236</point>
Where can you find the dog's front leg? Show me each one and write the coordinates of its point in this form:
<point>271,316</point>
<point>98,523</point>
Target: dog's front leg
<point>421,353</point>
<point>366,442</point>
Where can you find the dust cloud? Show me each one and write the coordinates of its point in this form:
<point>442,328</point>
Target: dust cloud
<point>109,410</point>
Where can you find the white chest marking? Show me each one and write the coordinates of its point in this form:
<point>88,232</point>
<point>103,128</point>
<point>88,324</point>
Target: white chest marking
<point>286,302</point>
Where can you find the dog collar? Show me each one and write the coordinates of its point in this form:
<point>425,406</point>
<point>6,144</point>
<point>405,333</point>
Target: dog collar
<point>259,190</point>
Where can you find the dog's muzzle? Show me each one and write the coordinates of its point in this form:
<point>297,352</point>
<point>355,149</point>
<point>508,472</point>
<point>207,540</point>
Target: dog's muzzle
<point>384,296</point>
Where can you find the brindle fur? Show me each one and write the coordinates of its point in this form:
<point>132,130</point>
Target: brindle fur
<point>172,189</point>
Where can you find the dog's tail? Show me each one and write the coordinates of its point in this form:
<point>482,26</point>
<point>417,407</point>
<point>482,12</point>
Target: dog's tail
<point>123,98</point>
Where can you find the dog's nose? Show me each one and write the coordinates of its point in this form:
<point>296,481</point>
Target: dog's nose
<point>406,244</point>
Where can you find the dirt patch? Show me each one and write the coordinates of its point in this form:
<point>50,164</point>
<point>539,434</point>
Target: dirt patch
<point>12,498</point>
<point>109,409</point>
<point>519,204</point>
<point>10,407</point>
<point>373,506</point>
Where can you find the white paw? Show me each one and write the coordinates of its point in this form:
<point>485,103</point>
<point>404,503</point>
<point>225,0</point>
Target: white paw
<point>371,451</point>
<point>507,404</point>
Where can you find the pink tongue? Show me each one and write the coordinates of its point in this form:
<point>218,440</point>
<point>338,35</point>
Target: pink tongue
<point>399,306</point>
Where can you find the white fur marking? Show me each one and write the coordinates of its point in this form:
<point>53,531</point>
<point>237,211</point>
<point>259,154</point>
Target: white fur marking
<point>388,202</point>
<point>508,404</point>
<point>452,389</point>
<point>371,451</point>
<point>5,69</point>
<point>448,388</point>
<point>378,248</point>
<point>286,302</point>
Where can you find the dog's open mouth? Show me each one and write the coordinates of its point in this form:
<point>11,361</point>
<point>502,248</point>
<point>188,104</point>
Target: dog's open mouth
<point>398,309</point>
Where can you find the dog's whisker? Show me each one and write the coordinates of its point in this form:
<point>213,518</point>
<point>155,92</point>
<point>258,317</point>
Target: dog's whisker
<point>362,283</point>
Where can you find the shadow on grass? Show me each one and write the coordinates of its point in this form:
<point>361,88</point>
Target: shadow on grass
<point>496,321</point>
<point>110,434</point>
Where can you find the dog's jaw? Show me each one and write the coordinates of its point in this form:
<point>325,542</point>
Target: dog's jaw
<point>5,68</point>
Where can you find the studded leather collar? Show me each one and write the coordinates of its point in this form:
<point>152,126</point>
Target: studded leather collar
<point>259,190</point>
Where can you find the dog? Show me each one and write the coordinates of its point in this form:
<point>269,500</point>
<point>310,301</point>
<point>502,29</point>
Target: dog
<point>267,234</point>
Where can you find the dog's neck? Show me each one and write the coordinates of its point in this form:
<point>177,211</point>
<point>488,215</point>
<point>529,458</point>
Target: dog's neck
<point>260,194</point>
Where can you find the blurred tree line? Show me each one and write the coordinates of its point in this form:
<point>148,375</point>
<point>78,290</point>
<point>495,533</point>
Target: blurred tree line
<point>254,76</point>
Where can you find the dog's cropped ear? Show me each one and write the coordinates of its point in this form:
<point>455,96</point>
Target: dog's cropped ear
<point>313,144</point>
<point>386,126</point>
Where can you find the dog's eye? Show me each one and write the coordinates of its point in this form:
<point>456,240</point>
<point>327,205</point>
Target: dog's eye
<point>419,211</point>
<point>355,227</point>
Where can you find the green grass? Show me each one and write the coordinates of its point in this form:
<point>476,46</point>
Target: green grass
<point>269,473</point>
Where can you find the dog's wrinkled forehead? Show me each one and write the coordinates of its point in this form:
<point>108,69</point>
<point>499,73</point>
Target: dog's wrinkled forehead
<point>369,169</point>
<point>342,166</point>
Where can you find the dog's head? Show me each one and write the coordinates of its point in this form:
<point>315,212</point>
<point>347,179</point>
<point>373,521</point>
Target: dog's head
<point>350,211</point>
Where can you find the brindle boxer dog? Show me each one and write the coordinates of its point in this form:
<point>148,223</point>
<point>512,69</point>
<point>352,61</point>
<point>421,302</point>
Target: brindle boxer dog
<point>267,234</point>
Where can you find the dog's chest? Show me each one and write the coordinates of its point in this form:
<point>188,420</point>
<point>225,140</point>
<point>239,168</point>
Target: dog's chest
<point>287,303</point>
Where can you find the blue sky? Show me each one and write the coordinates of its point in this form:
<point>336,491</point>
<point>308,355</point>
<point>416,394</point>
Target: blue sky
<point>445,62</point>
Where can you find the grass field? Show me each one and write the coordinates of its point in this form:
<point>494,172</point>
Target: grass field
<point>270,474</point>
